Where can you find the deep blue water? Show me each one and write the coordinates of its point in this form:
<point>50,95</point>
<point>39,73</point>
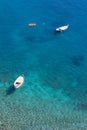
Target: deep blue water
<point>54,94</point>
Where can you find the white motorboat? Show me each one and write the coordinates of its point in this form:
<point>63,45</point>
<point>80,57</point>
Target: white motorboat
<point>19,81</point>
<point>62,28</point>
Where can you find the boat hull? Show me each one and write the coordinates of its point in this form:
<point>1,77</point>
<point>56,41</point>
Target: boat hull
<point>19,81</point>
<point>62,28</point>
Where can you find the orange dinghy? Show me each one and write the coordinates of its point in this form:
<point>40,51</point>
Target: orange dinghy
<point>32,24</point>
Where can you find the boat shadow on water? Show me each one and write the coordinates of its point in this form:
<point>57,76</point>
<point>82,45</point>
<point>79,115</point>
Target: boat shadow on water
<point>11,90</point>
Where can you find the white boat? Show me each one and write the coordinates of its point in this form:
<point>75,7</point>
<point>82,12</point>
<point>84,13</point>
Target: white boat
<point>62,28</point>
<point>19,81</point>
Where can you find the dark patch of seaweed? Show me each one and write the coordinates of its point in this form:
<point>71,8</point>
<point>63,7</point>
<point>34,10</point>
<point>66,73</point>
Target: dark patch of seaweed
<point>77,60</point>
<point>81,106</point>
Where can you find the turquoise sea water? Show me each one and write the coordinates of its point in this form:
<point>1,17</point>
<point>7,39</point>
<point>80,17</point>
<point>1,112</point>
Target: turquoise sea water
<point>54,94</point>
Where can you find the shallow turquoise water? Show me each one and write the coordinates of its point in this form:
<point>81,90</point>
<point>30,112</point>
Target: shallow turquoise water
<point>53,96</point>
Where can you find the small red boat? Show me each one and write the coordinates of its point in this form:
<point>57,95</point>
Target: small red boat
<point>32,24</point>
